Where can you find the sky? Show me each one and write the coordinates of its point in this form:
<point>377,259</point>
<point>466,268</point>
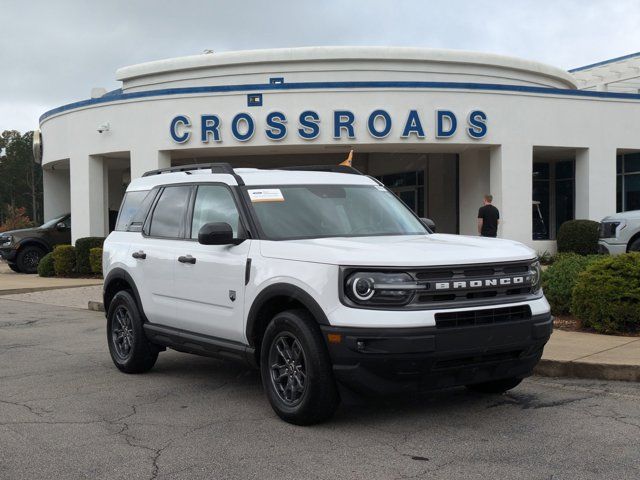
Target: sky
<point>54,52</point>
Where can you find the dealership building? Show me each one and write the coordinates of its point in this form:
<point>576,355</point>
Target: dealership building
<point>440,128</point>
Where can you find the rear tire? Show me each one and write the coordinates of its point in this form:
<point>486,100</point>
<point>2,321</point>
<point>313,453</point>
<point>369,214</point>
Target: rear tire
<point>495,386</point>
<point>28,259</point>
<point>296,370</point>
<point>14,267</point>
<point>129,347</point>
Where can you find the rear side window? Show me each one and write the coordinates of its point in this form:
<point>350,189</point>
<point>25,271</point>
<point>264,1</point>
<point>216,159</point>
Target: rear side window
<point>134,205</point>
<point>170,212</point>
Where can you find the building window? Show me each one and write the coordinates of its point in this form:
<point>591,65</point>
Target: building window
<point>564,192</point>
<point>628,182</point>
<point>409,186</point>
<point>553,197</point>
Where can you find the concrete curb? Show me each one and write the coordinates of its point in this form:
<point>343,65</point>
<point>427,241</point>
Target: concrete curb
<point>15,291</point>
<point>95,306</point>
<point>597,371</point>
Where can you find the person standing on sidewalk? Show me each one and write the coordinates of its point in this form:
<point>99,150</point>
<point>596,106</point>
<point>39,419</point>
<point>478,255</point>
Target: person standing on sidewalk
<point>488,218</point>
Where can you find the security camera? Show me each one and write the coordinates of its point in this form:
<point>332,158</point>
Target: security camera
<point>103,128</point>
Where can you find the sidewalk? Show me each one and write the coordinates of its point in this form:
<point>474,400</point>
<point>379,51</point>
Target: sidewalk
<point>12,283</point>
<point>588,355</point>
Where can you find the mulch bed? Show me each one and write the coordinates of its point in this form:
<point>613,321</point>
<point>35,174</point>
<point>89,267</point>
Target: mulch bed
<point>573,324</point>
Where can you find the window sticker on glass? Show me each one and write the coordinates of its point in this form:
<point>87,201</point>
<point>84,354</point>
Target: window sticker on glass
<point>266,195</point>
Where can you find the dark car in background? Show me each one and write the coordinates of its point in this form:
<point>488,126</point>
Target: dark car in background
<point>23,249</point>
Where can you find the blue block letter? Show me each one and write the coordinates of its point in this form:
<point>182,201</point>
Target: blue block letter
<point>371,124</point>
<point>209,124</point>
<point>413,125</point>
<point>343,120</point>
<point>277,129</point>
<point>173,129</point>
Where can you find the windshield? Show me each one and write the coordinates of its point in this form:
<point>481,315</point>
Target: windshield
<point>313,211</point>
<point>52,223</point>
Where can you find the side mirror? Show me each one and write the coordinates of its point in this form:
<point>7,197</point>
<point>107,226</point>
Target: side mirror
<point>430,224</point>
<point>219,233</point>
<point>61,227</point>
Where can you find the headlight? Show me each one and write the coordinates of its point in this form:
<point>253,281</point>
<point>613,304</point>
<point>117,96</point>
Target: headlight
<point>6,240</point>
<point>536,277</point>
<point>610,229</point>
<point>380,288</point>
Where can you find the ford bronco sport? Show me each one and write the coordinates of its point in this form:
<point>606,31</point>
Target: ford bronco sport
<point>320,277</point>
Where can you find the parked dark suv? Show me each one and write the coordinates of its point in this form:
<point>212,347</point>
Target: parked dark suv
<point>23,249</point>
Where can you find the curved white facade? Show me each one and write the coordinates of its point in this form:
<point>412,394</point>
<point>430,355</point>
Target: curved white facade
<point>396,107</point>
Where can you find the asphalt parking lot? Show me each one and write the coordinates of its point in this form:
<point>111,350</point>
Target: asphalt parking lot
<point>66,412</point>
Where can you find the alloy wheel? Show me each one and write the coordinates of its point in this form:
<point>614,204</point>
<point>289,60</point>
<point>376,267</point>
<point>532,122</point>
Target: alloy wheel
<point>122,332</point>
<point>288,368</point>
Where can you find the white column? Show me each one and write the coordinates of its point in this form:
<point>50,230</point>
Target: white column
<point>56,192</point>
<point>88,206</point>
<point>511,170</point>
<point>595,182</point>
<point>143,160</point>
<point>474,184</point>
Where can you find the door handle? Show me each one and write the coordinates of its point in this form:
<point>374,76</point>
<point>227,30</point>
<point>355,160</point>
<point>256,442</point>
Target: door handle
<point>187,259</point>
<point>139,255</point>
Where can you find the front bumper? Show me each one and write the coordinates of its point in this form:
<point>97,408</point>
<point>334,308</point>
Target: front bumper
<point>611,248</point>
<point>8,254</point>
<point>391,361</point>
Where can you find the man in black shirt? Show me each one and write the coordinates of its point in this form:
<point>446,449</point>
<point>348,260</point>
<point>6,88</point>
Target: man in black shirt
<point>488,218</point>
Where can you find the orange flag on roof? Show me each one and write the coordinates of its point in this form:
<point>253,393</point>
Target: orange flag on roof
<point>349,159</point>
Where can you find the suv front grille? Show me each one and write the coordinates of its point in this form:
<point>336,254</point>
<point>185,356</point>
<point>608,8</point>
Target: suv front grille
<point>472,284</point>
<point>482,317</point>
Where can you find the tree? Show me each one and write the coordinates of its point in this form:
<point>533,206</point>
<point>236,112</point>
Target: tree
<point>20,176</point>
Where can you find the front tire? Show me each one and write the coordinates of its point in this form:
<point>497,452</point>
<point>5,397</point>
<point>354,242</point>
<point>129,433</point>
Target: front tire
<point>129,347</point>
<point>635,246</point>
<point>28,259</point>
<point>14,267</point>
<point>495,386</point>
<point>296,370</point>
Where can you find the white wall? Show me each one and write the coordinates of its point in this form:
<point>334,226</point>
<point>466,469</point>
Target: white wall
<point>56,193</point>
<point>474,184</point>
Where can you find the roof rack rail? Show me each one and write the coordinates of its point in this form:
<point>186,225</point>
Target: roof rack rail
<point>325,168</point>
<point>221,167</point>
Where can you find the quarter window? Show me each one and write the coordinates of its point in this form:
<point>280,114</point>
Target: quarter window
<point>169,213</point>
<point>132,204</point>
<point>213,204</point>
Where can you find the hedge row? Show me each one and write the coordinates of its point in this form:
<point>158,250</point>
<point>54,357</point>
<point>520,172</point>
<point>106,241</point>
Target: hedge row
<point>560,277</point>
<point>66,260</point>
<point>602,291</point>
<point>606,296</point>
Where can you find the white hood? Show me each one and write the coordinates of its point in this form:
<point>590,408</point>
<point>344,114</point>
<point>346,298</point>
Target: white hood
<point>401,251</point>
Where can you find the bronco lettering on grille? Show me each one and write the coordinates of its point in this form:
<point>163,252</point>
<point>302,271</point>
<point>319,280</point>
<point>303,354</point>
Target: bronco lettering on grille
<point>483,283</point>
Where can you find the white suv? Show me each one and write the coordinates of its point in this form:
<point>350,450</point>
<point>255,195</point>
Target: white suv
<point>320,277</point>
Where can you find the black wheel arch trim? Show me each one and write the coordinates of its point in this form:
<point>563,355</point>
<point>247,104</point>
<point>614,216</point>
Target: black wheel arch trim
<point>33,241</point>
<point>122,274</point>
<point>283,290</point>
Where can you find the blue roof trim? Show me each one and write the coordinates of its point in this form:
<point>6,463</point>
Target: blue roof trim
<point>117,95</point>
<point>605,62</point>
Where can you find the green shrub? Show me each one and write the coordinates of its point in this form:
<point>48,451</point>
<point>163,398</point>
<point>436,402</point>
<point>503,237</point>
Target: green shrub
<point>95,259</point>
<point>560,277</point>
<point>579,236</point>
<point>607,294</point>
<point>83,246</point>
<point>64,260</point>
<point>45,267</point>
